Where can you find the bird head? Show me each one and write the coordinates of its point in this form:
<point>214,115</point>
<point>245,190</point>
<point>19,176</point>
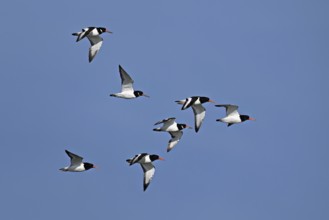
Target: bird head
<point>204,99</point>
<point>102,30</point>
<point>89,166</point>
<point>154,157</point>
<point>246,117</point>
<point>182,126</point>
<point>140,93</point>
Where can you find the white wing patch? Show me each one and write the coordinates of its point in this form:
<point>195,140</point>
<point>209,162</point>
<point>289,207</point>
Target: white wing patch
<point>126,81</point>
<point>149,171</point>
<point>96,43</point>
<point>187,102</point>
<point>175,137</point>
<point>75,159</point>
<point>232,110</point>
<point>199,115</point>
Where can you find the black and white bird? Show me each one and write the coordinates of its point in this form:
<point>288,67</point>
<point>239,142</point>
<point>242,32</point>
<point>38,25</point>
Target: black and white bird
<point>145,160</point>
<point>199,111</point>
<point>174,129</point>
<point>127,90</point>
<point>232,115</point>
<point>76,163</point>
<point>93,35</point>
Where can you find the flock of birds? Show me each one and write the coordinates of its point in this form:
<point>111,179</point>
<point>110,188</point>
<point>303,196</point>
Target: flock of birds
<point>168,125</point>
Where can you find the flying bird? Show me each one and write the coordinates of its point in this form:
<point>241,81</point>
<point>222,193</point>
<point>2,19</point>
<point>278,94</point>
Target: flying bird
<point>145,160</point>
<point>76,164</point>
<point>232,115</point>
<point>199,111</point>
<point>127,90</point>
<point>174,129</point>
<point>93,35</point>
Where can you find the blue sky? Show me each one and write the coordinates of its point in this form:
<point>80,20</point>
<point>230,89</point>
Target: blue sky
<point>268,57</point>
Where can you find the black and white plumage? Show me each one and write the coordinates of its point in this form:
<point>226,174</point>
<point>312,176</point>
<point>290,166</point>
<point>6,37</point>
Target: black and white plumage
<point>199,111</point>
<point>174,129</point>
<point>145,160</point>
<point>93,35</point>
<point>76,163</point>
<point>127,90</point>
<point>232,115</point>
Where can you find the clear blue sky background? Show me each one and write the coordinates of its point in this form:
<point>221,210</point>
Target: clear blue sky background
<point>268,57</point>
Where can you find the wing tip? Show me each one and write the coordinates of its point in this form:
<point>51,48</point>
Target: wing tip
<point>145,187</point>
<point>196,129</point>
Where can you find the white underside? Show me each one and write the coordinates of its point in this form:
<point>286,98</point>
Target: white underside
<point>172,127</point>
<point>231,119</point>
<point>79,168</point>
<point>124,95</point>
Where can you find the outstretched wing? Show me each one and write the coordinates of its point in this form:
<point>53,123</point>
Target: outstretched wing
<point>166,121</point>
<point>75,159</point>
<point>136,158</point>
<point>83,33</point>
<point>189,102</point>
<point>175,137</point>
<point>149,171</point>
<point>199,114</point>
<point>96,43</point>
<point>126,81</point>
<point>231,110</point>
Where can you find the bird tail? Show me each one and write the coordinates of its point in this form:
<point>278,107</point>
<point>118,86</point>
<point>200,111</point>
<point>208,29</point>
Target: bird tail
<point>63,169</point>
<point>184,103</point>
<point>78,34</point>
<point>157,129</point>
<point>129,161</point>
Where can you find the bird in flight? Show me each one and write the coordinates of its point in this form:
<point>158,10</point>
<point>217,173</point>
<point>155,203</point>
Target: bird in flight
<point>145,160</point>
<point>127,90</point>
<point>76,163</point>
<point>174,129</point>
<point>232,115</point>
<point>93,35</point>
<point>199,111</point>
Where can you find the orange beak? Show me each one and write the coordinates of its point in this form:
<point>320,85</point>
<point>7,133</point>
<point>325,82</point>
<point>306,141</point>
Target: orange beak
<point>189,127</point>
<point>252,119</point>
<point>108,31</point>
<point>161,158</point>
<point>211,101</point>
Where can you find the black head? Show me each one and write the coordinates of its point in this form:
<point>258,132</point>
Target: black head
<point>102,30</point>
<point>244,117</point>
<point>139,93</point>
<point>154,157</point>
<point>204,99</point>
<point>182,126</point>
<point>88,166</point>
